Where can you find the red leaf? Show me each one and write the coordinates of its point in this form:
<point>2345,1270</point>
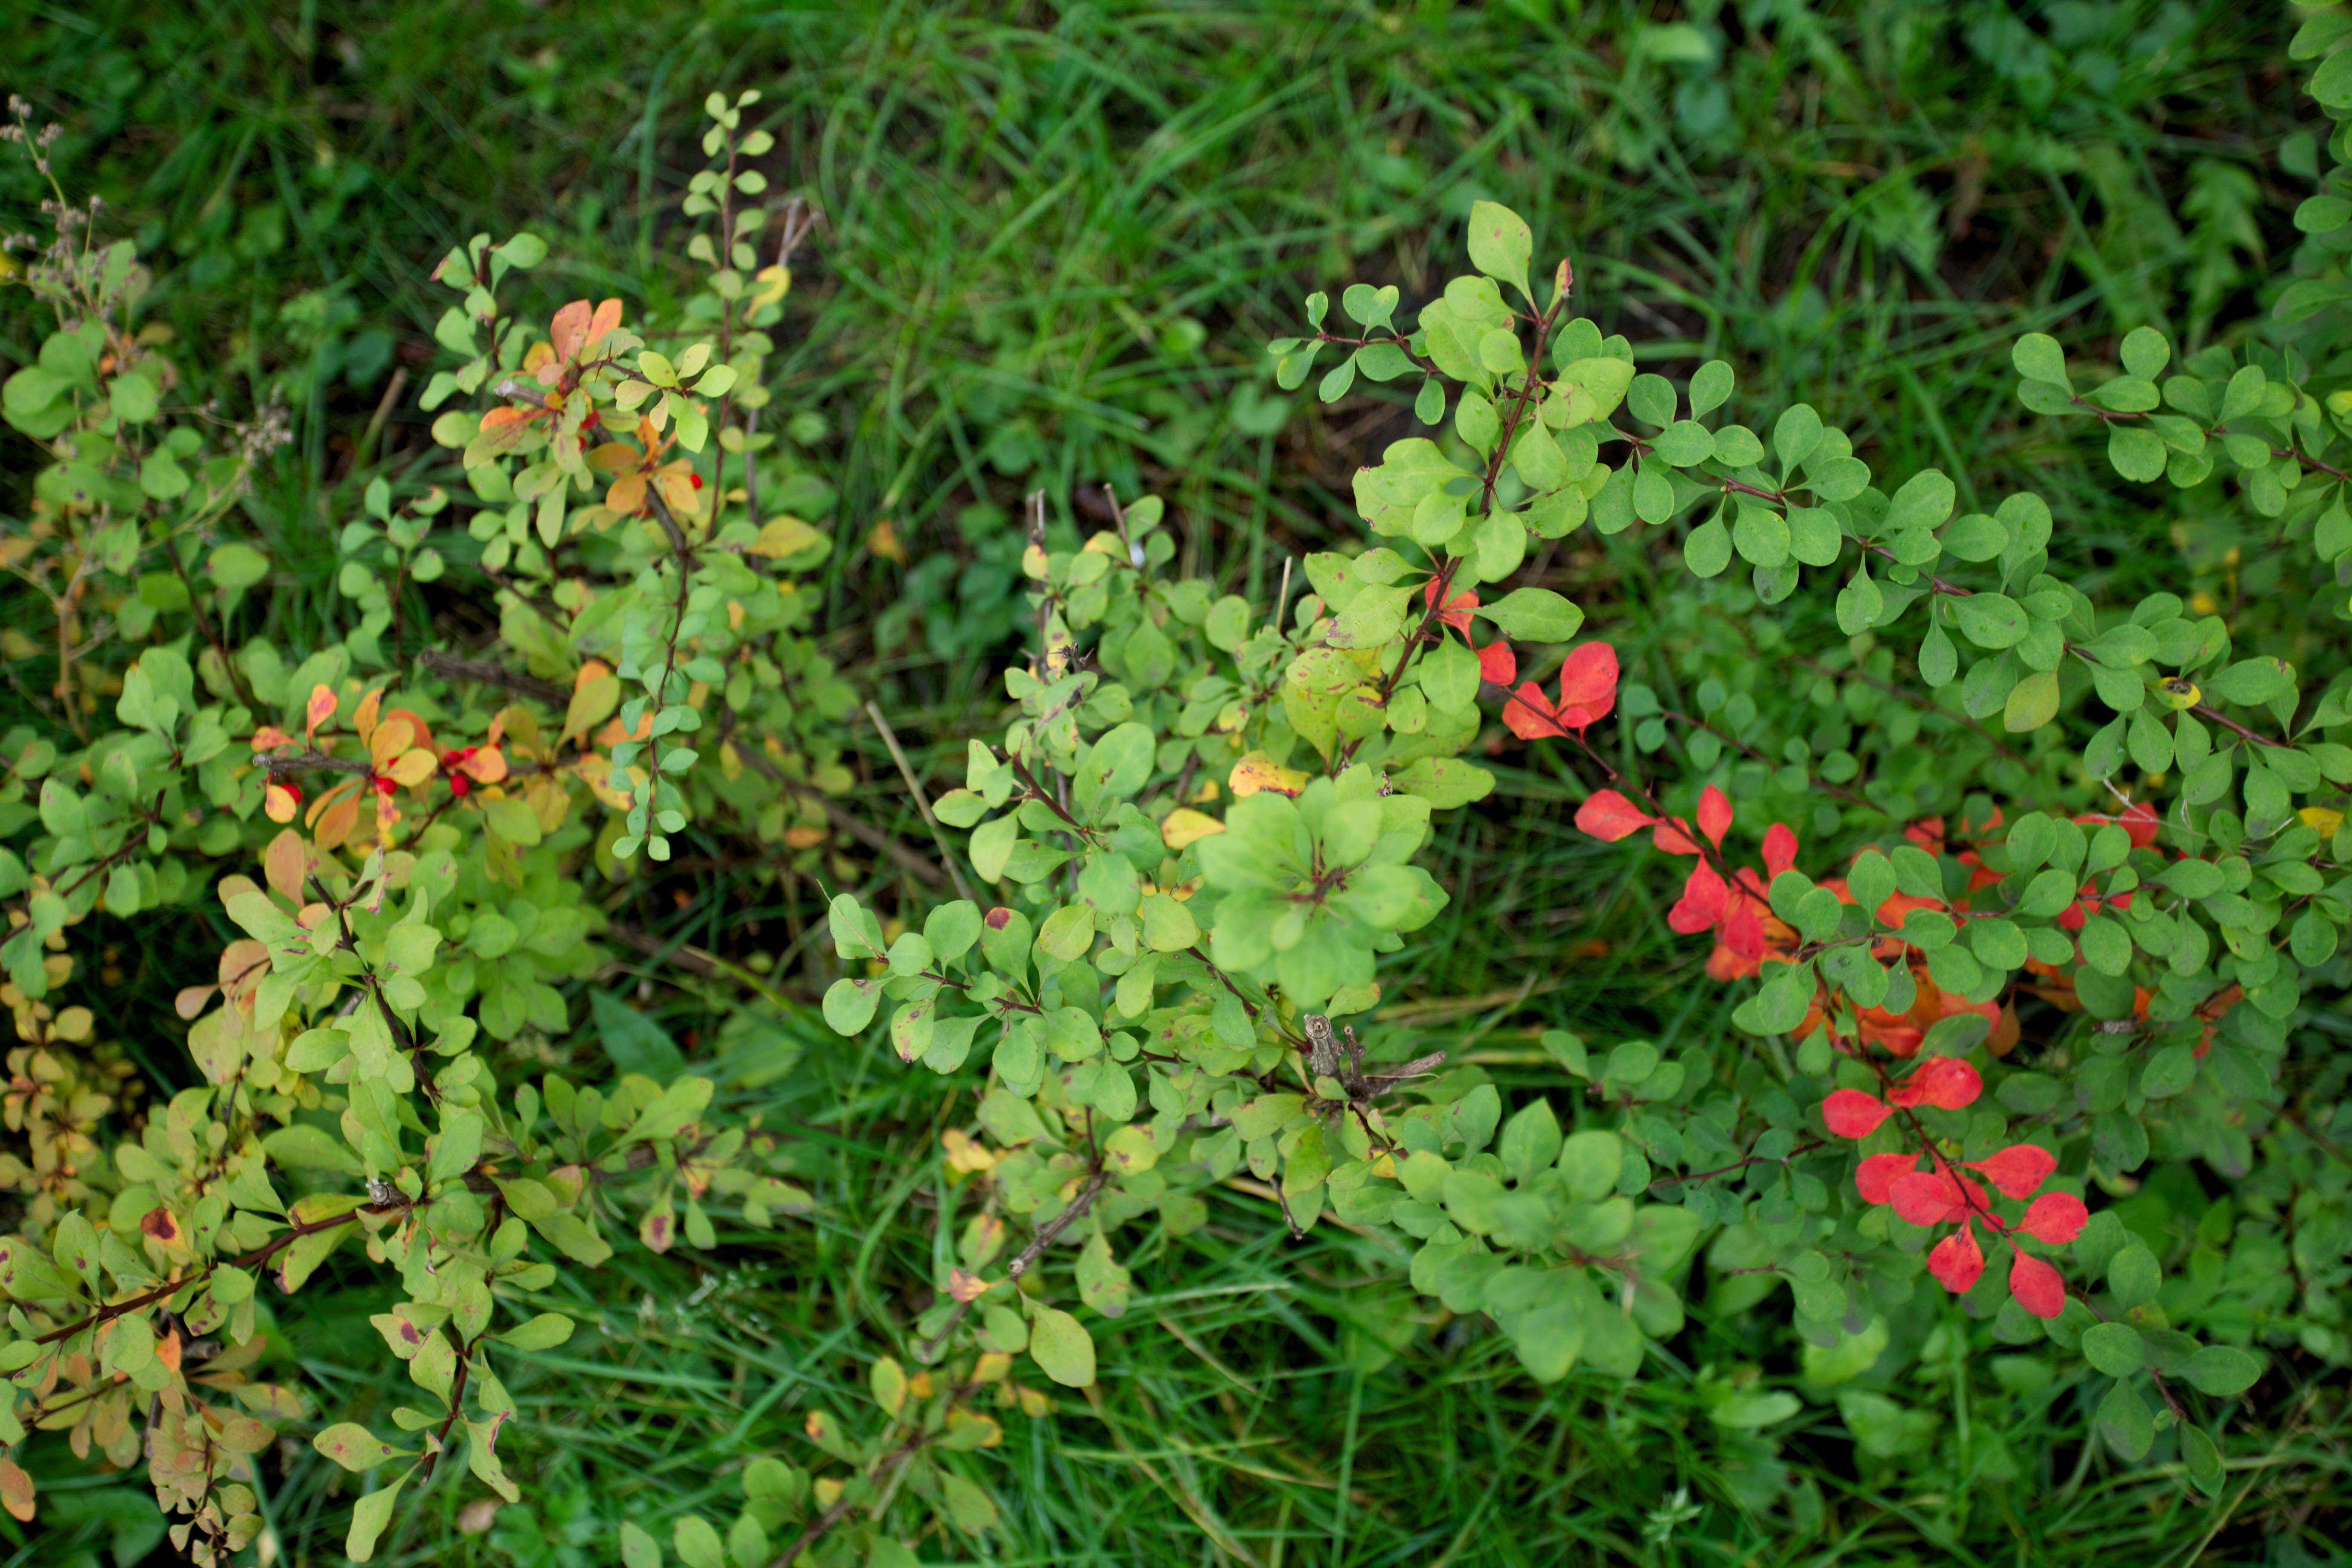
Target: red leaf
<point>1588,684</point>
<point>1946,1083</point>
<point>1606,814</point>
<point>2036,1286</point>
<point>1850,1113</point>
<point>1742,929</point>
<point>1780,849</point>
<point>1704,896</point>
<point>1457,613</point>
<point>1927,1197</point>
<point>1529,714</point>
<point>1956,1261</point>
<point>2056,1217</point>
<point>1714,814</point>
<point>1880,1171</point>
<point>1497,664</point>
<point>2019,1169</point>
<point>2138,819</point>
<point>1674,838</point>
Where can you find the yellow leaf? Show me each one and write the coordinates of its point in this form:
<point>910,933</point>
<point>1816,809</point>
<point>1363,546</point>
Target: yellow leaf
<point>1185,825</point>
<point>2320,817</point>
<point>1257,770</point>
<point>592,702</point>
<point>785,535</point>
<point>774,283</point>
<point>412,767</point>
<point>884,541</point>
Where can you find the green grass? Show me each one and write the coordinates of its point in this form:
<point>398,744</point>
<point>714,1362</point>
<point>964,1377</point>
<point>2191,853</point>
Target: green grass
<point>1054,241</point>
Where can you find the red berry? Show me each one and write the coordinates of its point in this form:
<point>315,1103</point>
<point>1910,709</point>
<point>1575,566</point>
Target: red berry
<point>459,783</point>
<point>695,479</point>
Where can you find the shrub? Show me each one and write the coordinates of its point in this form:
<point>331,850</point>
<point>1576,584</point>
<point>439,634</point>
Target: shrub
<point>405,835</point>
<point>2045,1027</point>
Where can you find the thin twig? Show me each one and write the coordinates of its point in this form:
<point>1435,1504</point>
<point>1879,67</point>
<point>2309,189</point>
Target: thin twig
<point>915,788</point>
<point>1045,1237</point>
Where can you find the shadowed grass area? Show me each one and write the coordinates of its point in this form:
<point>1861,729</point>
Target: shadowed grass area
<point>1055,240</point>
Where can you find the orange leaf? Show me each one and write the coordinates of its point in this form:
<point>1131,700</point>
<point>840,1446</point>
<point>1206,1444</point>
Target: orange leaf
<point>569,330</point>
<point>607,320</point>
<point>15,1491</point>
<point>1529,714</point>
<point>1714,814</point>
<point>319,710</point>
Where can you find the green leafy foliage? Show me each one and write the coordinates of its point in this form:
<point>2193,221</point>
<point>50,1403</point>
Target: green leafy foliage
<point>406,865</point>
<point>1267,914</point>
<point>2036,966</point>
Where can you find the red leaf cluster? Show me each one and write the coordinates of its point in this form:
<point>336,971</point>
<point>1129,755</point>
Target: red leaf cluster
<point>1942,1194</point>
<point>1588,691</point>
<point>1736,908</point>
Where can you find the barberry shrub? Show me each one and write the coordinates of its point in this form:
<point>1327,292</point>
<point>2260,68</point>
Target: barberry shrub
<point>406,834</point>
<point>2032,895</point>
<point>2036,958</point>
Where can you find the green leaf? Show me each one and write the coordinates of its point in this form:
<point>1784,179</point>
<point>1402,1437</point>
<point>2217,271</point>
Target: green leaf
<point>1924,501</point>
<point>697,1543</point>
<point>355,1447</point>
<point>1991,620</point>
<point>1500,246</point>
<point>1755,1408</point>
<point>542,1333</point>
<point>2137,454</point>
<point>369,1515</point>
<point>2124,1421</point>
<point>1707,551</point>
<point>634,1042</point>
<point>1710,385</point>
<point>639,1550</point>
<point>2032,702</point>
<point>238,566</point>
<point>2145,352</point>
<point>2222,1371</point>
<point>1062,1348</point>
<point>1593,388</point>
<point>1795,435</point>
<point>2038,357</point>
<point>2115,1349</point>
<point>1537,615</point>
